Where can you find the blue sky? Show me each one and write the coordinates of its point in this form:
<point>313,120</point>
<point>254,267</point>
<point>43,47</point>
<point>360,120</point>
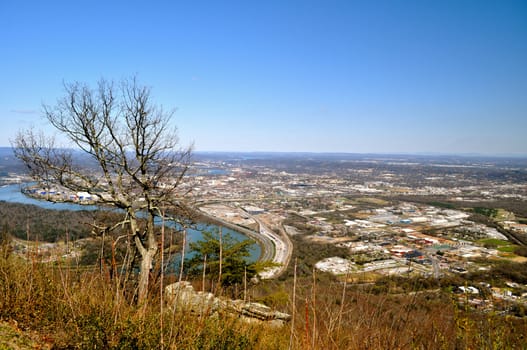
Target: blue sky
<point>310,76</point>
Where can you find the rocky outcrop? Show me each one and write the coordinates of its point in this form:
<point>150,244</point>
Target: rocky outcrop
<point>182,296</point>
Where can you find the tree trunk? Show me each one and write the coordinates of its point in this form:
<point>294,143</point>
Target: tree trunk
<point>147,255</point>
<point>144,274</point>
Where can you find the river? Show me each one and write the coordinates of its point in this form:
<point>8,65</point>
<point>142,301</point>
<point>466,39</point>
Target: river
<point>13,194</point>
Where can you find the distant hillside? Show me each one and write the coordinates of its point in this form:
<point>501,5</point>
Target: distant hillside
<point>9,163</point>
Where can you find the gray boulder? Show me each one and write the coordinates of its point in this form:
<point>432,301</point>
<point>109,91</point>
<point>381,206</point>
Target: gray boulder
<point>182,296</point>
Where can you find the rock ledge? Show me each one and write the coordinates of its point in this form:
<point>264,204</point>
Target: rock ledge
<point>182,296</point>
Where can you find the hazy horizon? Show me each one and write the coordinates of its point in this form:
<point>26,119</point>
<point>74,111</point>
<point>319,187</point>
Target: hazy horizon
<point>364,154</point>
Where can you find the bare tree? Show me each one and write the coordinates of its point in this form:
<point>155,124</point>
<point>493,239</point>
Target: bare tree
<point>139,162</point>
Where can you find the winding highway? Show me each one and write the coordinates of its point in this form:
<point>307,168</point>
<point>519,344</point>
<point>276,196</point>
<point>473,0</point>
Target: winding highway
<point>283,249</point>
<point>276,248</point>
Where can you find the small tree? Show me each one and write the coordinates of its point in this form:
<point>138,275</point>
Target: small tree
<point>138,163</point>
<point>226,258</point>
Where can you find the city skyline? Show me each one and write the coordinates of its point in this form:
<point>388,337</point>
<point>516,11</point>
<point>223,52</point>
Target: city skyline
<point>445,77</point>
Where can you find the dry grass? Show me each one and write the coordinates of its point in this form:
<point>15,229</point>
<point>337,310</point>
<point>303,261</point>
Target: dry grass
<point>329,315</point>
<point>84,310</point>
<point>72,309</point>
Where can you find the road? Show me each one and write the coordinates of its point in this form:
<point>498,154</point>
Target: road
<point>276,248</point>
<point>283,249</point>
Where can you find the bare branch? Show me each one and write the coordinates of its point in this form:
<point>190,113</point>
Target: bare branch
<point>138,163</point>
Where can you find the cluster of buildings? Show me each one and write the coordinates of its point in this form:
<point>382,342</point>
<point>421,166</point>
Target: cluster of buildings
<point>363,211</point>
<point>60,195</point>
<point>268,182</point>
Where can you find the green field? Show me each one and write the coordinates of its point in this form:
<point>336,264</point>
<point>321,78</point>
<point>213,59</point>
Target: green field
<point>500,244</point>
